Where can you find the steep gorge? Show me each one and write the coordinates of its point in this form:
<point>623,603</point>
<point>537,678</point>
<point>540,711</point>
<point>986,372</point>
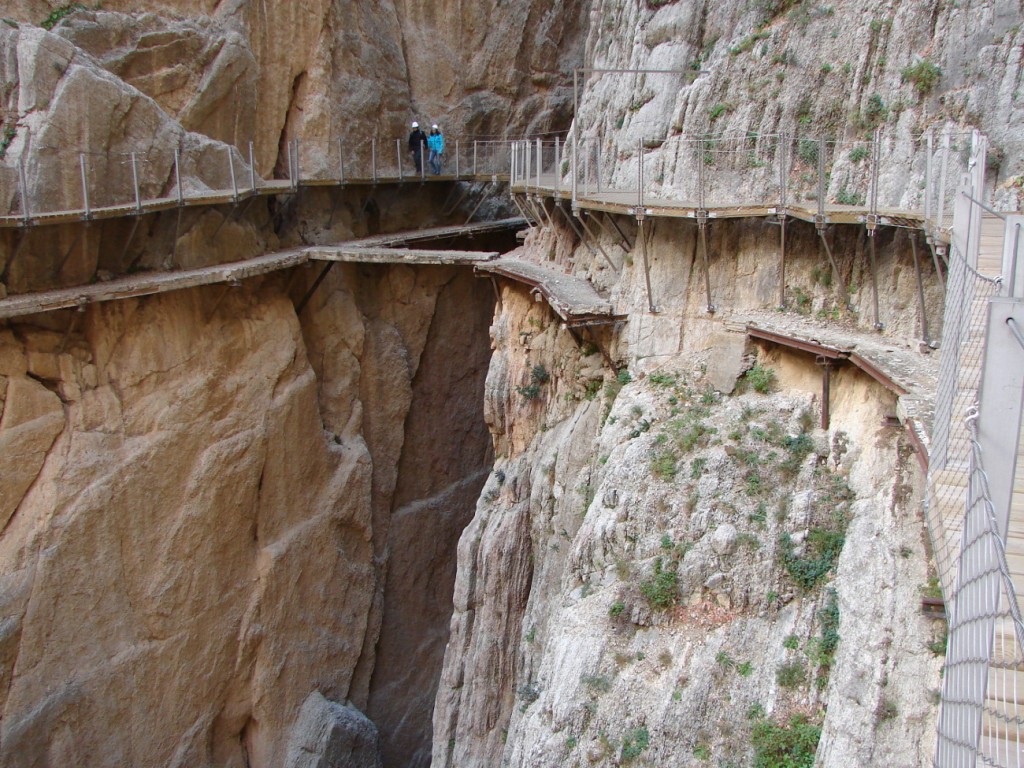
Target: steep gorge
<point>230,530</point>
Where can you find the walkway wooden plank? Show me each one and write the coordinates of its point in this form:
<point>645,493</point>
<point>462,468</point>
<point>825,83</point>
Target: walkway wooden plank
<point>358,254</point>
<point>659,206</point>
<point>264,187</point>
<point>147,284</point>
<point>438,233</point>
<point>572,298</point>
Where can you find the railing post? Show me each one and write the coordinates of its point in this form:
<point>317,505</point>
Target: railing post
<point>457,174</point>
<point>640,174</point>
<point>298,165</point>
<point>135,184</point>
<point>398,154</point>
<point>423,160</point>
<point>252,168</point>
<point>526,164</point>
<point>231,170</point>
<point>558,165</point>
<point>821,176</point>
<point>291,165</point>
<point>85,185</point>
<point>941,197</point>
<point>783,170</point>
<point>928,184</point>
<point>475,146</point>
<point>341,161</point>
<point>26,215</point>
<point>177,175</point>
<point>373,158</point>
<point>598,162</point>
<point>586,174</point>
<point>540,161</point>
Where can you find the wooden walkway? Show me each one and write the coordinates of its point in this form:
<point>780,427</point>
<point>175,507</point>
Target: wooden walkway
<point>224,197</point>
<point>898,365</point>
<point>572,298</point>
<point>627,203</point>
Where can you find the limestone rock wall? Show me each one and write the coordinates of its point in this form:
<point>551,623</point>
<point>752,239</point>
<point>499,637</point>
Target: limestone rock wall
<point>197,514</point>
<point>833,70</point>
<point>558,656</point>
<point>335,69</point>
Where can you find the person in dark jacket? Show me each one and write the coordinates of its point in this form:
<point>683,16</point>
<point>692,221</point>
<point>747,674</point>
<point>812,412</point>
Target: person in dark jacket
<point>416,141</point>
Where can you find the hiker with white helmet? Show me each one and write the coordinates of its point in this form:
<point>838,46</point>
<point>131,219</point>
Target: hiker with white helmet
<point>416,141</point>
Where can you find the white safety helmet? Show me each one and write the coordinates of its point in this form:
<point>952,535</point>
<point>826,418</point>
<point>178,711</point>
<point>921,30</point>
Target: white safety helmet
<point>415,124</point>
<point>434,125</point>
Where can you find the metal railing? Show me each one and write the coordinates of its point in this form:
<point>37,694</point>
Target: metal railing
<point>914,175</point>
<point>49,180</point>
<point>974,505</point>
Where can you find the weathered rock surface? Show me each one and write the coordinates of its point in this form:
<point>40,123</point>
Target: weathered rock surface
<point>834,71</point>
<point>331,735</point>
<point>228,542</point>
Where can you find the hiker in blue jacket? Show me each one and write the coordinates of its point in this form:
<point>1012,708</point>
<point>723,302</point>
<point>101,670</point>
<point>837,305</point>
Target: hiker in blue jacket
<point>435,143</point>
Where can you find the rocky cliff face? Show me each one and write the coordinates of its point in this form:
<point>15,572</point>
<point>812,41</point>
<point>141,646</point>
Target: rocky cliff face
<point>831,71</point>
<point>651,547</point>
<point>213,511</point>
<point>319,72</point>
<point>191,548</point>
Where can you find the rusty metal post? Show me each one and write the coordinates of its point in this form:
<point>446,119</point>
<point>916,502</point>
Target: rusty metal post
<point>643,251</point>
<point>874,274</point>
<point>702,226</point>
<point>398,156</point>
<point>373,159</point>
<point>920,290</point>
<point>457,173</point>
<point>826,386</point>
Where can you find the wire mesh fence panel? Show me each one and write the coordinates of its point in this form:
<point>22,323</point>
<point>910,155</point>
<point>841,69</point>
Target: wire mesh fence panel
<point>948,157</point>
<point>980,723</point>
<point>978,545</point>
<point>735,170</point>
<point>491,158</point>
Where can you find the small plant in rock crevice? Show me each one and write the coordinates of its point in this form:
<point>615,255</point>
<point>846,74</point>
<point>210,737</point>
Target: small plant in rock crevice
<point>760,379</point>
<point>59,13</point>
<point>634,743</point>
<point>785,745</point>
<point>661,590</point>
<point>923,75</point>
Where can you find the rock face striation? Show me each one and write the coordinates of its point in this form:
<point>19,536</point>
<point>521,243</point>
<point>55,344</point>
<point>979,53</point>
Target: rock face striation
<point>191,548</point>
<point>230,533</point>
